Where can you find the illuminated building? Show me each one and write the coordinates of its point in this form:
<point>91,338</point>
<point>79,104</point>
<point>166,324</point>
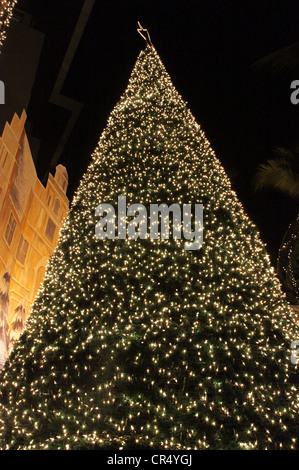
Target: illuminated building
<point>31,216</point>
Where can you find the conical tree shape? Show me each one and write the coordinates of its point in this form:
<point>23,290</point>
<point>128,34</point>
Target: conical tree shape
<point>142,343</point>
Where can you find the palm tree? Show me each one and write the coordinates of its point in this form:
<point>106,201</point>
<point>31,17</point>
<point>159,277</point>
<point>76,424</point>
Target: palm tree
<point>280,61</point>
<point>4,309</point>
<point>282,173</point>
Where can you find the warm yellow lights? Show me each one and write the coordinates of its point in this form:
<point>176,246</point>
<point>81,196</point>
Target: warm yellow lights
<point>6,11</point>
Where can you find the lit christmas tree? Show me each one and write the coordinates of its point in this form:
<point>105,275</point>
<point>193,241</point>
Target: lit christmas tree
<point>288,262</point>
<point>143,343</point>
<point>6,11</point>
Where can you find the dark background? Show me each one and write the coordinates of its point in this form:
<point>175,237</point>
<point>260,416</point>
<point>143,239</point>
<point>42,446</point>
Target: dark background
<point>208,47</point>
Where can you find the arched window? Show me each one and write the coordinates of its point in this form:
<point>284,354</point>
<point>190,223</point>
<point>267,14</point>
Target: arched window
<point>50,229</point>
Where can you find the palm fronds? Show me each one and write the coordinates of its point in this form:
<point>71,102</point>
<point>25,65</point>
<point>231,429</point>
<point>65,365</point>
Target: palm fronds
<point>281,173</point>
<point>279,61</point>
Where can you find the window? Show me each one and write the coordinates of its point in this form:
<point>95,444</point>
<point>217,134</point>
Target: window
<point>56,207</point>
<point>10,229</point>
<point>50,230</point>
<point>22,250</point>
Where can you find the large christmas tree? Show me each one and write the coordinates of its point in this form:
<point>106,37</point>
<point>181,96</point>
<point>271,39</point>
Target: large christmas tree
<point>142,343</point>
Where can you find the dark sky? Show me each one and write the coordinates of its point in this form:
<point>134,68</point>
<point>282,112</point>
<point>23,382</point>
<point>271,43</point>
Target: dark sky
<point>208,47</point>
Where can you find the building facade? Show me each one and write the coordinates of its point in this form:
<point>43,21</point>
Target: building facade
<point>31,216</point>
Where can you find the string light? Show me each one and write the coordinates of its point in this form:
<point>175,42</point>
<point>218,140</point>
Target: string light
<point>6,11</point>
<point>140,343</point>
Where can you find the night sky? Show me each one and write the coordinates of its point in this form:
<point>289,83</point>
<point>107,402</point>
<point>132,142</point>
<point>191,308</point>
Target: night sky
<point>208,47</point>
